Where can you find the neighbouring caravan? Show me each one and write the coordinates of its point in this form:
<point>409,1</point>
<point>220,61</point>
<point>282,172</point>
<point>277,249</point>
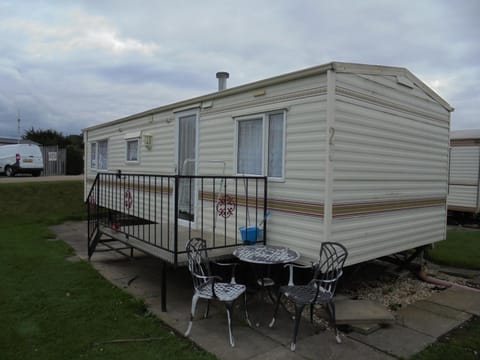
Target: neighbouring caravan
<point>352,153</point>
<point>464,179</point>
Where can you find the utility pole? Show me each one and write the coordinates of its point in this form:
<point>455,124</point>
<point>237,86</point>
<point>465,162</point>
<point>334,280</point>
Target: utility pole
<point>18,126</point>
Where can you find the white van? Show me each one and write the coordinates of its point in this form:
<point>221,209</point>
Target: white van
<point>21,159</point>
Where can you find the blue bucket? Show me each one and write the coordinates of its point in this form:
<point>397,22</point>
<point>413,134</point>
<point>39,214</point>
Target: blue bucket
<point>250,234</point>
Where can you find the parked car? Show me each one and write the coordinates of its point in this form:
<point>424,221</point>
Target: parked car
<point>21,159</point>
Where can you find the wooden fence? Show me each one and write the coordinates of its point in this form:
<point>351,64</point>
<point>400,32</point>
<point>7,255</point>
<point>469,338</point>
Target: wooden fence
<point>54,161</point>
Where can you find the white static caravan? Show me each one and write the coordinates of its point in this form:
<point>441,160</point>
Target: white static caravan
<point>352,153</point>
<point>464,179</point>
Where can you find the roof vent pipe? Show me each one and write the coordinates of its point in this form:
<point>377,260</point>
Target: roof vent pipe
<point>222,77</point>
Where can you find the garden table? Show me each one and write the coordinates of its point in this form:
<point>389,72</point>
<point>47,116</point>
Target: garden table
<point>265,255</point>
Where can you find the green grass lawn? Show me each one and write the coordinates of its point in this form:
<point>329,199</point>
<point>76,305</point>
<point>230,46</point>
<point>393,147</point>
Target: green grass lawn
<point>461,249</point>
<point>462,343</point>
<point>51,308</point>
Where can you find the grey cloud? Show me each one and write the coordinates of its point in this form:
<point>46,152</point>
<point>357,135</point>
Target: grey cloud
<point>94,61</point>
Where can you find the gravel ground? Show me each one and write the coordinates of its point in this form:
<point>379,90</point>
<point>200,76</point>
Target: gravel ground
<point>380,282</point>
<point>395,293</point>
<point>393,289</point>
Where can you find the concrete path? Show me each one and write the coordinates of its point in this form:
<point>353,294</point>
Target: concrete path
<point>416,326</point>
<point>23,178</point>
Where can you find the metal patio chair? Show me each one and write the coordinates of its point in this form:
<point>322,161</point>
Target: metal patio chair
<point>319,291</point>
<point>210,287</point>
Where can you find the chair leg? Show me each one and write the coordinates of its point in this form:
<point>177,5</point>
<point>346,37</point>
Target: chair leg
<point>192,314</point>
<point>311,313</point>
<point>229,308</point>
<point>207,310</point>
<point>272,322</point>
<point>331,310</point>
<point>298,316</point>
<point>246,309</point>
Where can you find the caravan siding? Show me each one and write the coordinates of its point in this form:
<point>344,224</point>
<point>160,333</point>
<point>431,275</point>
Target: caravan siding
<point>295,202</point>
<point>159,159</point>
<point>464,178</point>
<point>390,166</point>
<point>365,162</point>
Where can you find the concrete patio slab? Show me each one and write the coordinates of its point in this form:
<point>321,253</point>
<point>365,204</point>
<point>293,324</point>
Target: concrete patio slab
<point>430,318</point>
<point>141,277</point>
<point>458,298</point>
<point>279,353</point>
<point>362,312</point>
<point>396,340</point>
<point>366,329</point>
<point>324,346</point>
<point>282,330</point>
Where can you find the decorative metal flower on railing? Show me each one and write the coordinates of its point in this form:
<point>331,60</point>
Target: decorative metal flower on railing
<point>225,206</point>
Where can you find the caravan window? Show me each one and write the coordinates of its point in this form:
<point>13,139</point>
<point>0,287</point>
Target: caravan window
<point>99,155</point>
<point>260,145</point>
<point>132,150</point>
<point>102,155</point>
<point>132,147</point>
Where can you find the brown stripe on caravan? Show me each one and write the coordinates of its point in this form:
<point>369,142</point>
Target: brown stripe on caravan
<point>472,183</point>
<point>462,208</point>
<point>464,142</point>
<point>342,210</point>
<point>294,207</point>
<point>308,208</point>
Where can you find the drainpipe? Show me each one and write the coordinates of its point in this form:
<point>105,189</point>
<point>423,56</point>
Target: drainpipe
<point>422,274</point>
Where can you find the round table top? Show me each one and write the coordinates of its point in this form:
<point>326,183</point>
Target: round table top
<point>266,254</point>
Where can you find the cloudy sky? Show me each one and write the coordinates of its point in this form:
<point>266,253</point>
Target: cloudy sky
<point>66,65</point>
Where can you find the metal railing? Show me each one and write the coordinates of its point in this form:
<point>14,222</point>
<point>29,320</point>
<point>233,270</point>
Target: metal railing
<point>159,213</point>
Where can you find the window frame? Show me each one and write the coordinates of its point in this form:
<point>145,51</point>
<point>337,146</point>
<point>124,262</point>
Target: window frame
<point>95,160</point>
<point>265,118</point>
<point>135,139</point>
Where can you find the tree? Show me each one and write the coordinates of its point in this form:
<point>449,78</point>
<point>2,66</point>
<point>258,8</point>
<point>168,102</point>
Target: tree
<point>45,137</point>
<point>72,143</point>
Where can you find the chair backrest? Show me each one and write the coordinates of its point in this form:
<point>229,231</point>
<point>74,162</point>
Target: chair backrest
<point>198,262</point>
<point>330,266</point>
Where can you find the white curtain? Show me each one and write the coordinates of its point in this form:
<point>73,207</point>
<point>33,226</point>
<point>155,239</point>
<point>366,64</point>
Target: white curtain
<point>103,155</point>
<point>275,145</point>
<point>249,157</point>
<point>186,165</point>
<point>93,155</point>
<point>132,150</point>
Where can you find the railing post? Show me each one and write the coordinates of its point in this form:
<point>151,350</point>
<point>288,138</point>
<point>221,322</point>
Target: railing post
<point>92,216</point>
<point>175,220</point>
<point>89,224</point>
<point>265,196</point>
<point>97,202</point>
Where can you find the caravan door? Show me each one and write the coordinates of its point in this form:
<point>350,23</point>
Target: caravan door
<point>187,156</point>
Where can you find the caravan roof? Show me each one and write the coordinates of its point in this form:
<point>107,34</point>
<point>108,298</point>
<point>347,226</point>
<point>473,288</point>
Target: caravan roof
<point>402,73</point>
